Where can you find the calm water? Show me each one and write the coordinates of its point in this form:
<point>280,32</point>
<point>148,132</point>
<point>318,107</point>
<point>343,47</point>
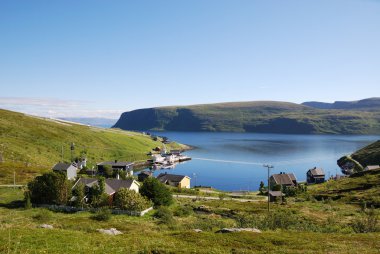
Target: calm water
<point>288,153</point>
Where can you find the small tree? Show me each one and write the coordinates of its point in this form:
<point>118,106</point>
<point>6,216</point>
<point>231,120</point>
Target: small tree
<point>79,193</point>
<point>262,188</point>
<point>130,200</point>
<point>157,192</point>
<point>108,171</point>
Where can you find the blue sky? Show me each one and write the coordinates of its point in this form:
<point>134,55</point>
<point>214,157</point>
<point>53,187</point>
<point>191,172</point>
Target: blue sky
<point>100,58</point>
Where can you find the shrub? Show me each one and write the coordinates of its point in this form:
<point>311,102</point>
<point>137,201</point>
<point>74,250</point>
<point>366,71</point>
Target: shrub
<point>183,211</point>
<point>27,201</point>
<point>79,193</point>
<point>165,215</point>
<point>130,200</point>
<point>102,214</point>
<point>367,223</point>
<point>43,215</point>
<point>50,188</point>
<point>157,192</point>
<point>222,196</point>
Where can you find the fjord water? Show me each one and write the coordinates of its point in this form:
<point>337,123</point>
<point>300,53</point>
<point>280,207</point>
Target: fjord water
<point>287,153</point>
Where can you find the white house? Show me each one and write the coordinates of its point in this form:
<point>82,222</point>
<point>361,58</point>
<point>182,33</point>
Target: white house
<point>69,169</point>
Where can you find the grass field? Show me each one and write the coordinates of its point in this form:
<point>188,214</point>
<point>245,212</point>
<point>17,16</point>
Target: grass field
<point>29,145</point>
<point>20,232</point>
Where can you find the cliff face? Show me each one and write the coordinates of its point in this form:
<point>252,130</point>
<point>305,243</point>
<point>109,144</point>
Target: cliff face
<point>259,117</point>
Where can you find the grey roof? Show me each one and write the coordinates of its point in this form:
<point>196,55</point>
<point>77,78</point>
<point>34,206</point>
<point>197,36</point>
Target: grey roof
<point>372,167</point>
<point>115,163</point>
<point>164,177</point>
<point>148,173</point>
<point>276,193</point>
<point>62,166</point>
<point>111,185</point>
<point>284,179</point>
<point>317,172</point>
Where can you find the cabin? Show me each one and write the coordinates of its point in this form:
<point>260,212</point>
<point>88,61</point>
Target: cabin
<point>371,167</point>
<point>144,175</point>
<point>179,181</point>
<point>70,170</point>
<point>315,176</point>
<point>275,196</point>
<point>283,179</point>
<point>116,166</point>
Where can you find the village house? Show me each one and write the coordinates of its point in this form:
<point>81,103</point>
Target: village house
<point>116,166</point>
<point>111,185</point>
<point>315,175</point>
<point>283,179</point>
<point>70,170</point>
<point>371,167</point>
<point>143,175</point>
<point>179,181</point>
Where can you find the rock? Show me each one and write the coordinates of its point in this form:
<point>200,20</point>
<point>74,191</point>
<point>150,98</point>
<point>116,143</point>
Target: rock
<point>232,230</point>
<point>111,231</point>
<point>197,230</point>
<point>46,226</point>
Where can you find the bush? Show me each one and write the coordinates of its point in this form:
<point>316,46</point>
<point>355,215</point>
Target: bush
<point>43,215</point>
<point>130,200</point>
<point>222,196</point>
<point>102,214</point>
<point>157,192</point>
<point>165,215</point>
<point>50,188</point>
<point>27,201</point>
<point>183,211</point>
<point>367,223</point>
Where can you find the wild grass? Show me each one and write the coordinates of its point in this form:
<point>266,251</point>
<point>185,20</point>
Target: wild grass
<point>77,232</point>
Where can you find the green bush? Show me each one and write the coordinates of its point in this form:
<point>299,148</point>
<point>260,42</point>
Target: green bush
<point>130,200</point>
<point>183,211</point>
<point>165,215</point>
<point>27,201</point>
<point>367,223</point>
<point>50,188</point>
<point>102,214</point>
<point>157,192</point>
<point>43,215</point>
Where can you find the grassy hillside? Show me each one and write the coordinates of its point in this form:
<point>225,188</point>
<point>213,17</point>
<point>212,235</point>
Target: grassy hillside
<point>31,144</point>
<point>358,188</point>
<point>369,155</point>
<point>259,116</point>
<point>300,227</point>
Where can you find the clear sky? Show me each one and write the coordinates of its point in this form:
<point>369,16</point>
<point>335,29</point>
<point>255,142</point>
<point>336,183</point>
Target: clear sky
<point>100,58</point>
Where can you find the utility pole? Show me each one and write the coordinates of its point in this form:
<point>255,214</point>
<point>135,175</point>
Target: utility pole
<point>14,179</point>
<point>268,167</point>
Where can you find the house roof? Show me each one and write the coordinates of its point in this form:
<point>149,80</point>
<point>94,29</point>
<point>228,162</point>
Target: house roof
<point>62,166</point>
<point>276,193</point>
<point>284,179</point>
<point>115,163</point>
<point>164,177</point>
<point>372,167</point>
<point>148,173</point>
<point>111,185</point>
<point>317,172</point>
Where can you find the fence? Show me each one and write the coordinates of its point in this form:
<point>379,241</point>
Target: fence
<point>72,209</point>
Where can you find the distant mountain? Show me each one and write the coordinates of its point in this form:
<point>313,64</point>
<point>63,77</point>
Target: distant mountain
<point>93,121</point>
<point>371,104</point>
<point>256,116</point>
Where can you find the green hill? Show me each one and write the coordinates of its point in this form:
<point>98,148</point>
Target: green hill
<point>32,144</point>
<point>369,155</point>
<point>258,116</point>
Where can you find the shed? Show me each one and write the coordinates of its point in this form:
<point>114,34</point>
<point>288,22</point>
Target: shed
<point>69,169</point>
